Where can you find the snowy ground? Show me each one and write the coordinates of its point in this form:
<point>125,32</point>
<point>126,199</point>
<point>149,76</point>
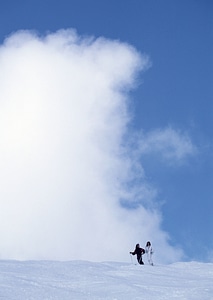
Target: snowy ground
<point>76,280</point>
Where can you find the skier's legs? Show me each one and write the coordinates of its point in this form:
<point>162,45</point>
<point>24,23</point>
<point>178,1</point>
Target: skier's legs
<point>150,259</point>
<point>140,261</point>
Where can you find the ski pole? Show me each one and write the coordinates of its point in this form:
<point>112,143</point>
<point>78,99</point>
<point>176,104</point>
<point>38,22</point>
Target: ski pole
<point>131,258</point>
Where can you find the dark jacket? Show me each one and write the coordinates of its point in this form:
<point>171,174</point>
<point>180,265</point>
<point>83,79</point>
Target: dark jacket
<point>139,252</point>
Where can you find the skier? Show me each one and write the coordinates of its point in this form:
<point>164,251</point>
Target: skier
<point>149,252</point>
<point>139,252</point>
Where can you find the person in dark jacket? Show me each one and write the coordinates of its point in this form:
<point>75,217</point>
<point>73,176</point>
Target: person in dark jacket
<point>139,252</point>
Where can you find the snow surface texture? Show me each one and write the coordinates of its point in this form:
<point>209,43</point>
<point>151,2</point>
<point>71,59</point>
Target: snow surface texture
<point>42,280</point>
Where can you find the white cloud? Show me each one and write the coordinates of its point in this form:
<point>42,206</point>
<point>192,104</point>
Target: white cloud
<point>170,144</point>
<point>64,164</point>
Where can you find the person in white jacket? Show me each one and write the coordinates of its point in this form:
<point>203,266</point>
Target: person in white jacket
<point>149,252</point>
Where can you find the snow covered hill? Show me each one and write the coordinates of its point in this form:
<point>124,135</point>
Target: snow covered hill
<point>42,280</point>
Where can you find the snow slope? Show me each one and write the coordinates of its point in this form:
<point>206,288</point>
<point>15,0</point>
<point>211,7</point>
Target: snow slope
<point>76,280</point>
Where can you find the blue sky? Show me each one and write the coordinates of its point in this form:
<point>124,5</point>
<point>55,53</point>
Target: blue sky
<point>175,92</point>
